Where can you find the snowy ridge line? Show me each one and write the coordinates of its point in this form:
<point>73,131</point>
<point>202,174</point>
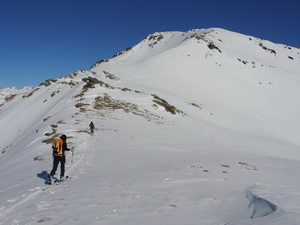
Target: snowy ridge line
<point>52,188</point>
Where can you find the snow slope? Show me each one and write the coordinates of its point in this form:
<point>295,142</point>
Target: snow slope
<point>196,127</point>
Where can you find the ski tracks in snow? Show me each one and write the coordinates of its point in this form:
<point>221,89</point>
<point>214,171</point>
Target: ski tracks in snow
<point>75,165</point>
<point>83,155</point>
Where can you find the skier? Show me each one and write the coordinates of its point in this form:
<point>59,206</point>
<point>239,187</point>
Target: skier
<point>59,148</point>
<point>92,127</point>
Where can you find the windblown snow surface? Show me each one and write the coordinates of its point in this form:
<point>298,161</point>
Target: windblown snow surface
<point>197,127</point>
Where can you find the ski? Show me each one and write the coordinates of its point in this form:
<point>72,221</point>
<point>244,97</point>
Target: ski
<point>56,181</point>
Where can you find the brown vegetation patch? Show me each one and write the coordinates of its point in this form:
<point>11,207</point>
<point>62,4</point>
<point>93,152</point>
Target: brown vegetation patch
<point>122,52</point>
<point>105,102</point>
<point>110,76</point>
<point>92,81</point>
<point>99,62</point>
<point>38,158</point>
<point>196,105</point>
<point>267,49</point>
<point>10,97</point>
<point>169,108</point>
<point>31,93</point>
<point>212,46</point>
<point>48,82</point>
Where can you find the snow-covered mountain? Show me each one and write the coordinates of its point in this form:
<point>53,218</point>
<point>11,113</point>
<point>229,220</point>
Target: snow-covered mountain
<point>197,127</point>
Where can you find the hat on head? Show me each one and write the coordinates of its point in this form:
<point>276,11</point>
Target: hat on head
<point>63,137</point>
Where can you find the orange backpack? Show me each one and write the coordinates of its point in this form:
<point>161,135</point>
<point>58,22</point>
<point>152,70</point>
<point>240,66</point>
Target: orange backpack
<point>57,147</point>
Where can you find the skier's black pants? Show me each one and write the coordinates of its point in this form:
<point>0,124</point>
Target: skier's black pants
<point>56,161</point>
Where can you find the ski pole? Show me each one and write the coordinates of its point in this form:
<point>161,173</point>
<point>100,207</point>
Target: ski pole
<point>72,155</point>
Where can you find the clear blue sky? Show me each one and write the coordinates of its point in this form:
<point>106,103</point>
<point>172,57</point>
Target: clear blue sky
<point>43,39</point>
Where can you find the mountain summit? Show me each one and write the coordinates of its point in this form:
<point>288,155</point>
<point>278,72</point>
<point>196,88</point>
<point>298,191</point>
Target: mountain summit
<point>196,127</point>
<point>240,80</point>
